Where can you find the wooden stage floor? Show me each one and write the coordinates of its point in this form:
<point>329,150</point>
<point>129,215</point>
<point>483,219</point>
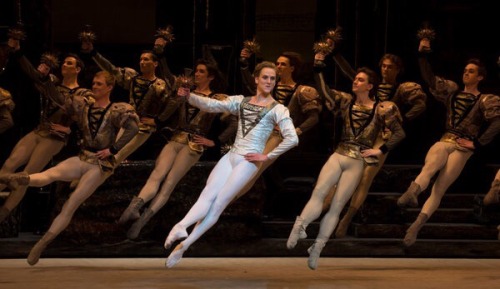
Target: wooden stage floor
<point>268,273</point>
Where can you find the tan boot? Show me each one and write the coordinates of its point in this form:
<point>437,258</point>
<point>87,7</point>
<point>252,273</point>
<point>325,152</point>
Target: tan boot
<point>4,214</point>
<point>492,197</point>
<point>14,181</point>
<point>314,252</point>
<point>345,222</point>
<point>412,232</point>
<point>297,232</point>
<point>39,247</point>
<point>132,211</point>
<point>137,226</point>
<point>409,198</point>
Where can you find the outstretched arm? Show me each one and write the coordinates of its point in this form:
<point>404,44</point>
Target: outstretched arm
<point>231,104</point>
<point>164,69</point>
<point>324,91</point>
<point>347,70</point>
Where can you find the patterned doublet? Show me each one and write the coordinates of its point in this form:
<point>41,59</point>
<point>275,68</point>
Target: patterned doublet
<point>139,88</point>
<point>360,118</point>
<point>408,96</point>
<point>283,93</point>
<point>148,97</point>
<point>385,91</point>
<point>255,126</point>
<point>460,107</point>
<point>475,117</point>
<point>251,117</point>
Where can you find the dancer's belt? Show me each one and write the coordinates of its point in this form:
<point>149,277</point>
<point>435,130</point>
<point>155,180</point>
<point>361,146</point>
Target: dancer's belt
<point>106,165</point>
<point>185,137</point>
<point>451,136</point>
<point>353,150</point>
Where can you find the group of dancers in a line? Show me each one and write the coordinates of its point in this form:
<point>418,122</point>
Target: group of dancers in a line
<point>261,127</point>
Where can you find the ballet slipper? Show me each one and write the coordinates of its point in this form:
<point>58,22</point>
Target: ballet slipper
<point>314,253</point>
<point>176,256</point>
<point>298,231</point>
<point>178,232</point>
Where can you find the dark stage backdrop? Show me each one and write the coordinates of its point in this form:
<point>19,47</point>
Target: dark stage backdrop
<point>370,28</point>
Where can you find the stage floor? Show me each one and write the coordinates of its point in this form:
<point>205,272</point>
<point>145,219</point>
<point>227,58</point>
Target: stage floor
<point>268,273</point>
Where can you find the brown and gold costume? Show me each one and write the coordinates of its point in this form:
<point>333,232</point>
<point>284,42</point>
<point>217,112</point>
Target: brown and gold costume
<point>411,101</point>
<point>344,168</point>
<point>99,127</point>
<point>36,149</point>
<point>468,116</point>
<point>361,125</point>
<point>467,113</point>
<point>408,96</point>
<point>148,97</point>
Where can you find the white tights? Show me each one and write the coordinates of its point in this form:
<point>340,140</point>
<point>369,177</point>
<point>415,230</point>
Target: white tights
<point>227,178</point>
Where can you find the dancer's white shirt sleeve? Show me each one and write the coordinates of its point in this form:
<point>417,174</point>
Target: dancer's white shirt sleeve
<point>231,104</point>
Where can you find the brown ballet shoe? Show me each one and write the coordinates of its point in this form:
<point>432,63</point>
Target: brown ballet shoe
<point>137,226</point>
<point>412,232</point>
<point>132,211</point>
<point>13,181</point>
<point>409,198</point>
<point>39,247</point>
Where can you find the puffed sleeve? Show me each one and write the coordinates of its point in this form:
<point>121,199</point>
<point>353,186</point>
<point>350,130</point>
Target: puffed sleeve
<point>388,113</point>
<point>76,104</point>
<point>444,89</point>
<point>413,94</point>
<point>490,107</point>
<point>310,105</point>
<point>287,130</point>
<point>124,116</point>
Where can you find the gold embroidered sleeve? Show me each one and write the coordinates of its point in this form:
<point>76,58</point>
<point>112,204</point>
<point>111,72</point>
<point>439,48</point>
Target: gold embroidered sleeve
<point>123,115</point>
<point>388,113</point>
<point>309,99</point>
<point>413,94</point>
<point>490,106</point>
<point>444,89</point>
